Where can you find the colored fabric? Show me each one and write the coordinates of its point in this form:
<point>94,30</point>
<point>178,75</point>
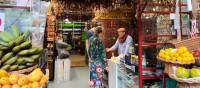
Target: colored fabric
<point>89,34</point>
<point>97,61</point>
<point>123,48</point>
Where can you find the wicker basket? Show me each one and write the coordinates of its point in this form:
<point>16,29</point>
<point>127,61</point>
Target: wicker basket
<point>188,85</point>
<point>183,83</point>
<point>176,62</point>
<point>192,43</point>
<point>168,68</point>
<point>170,64</point>
<point>27,70</point>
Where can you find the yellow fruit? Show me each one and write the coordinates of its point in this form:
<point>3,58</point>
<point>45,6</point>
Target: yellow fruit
<point>35,85</point>
<point>15,86</point>
<point>164,56</point>
<point>13,78</point>
<point>167,58</point>
<point>185,59</point>
<point>160,55</point>
<point>179,59</point>
<point>36,75</point>
<point>162,51</point>
<point>184,48</point>
<point>190,59</point>
<point>23,80</point>
<point>182,72</point>
<point>3,73</point>
<point>44,80</point>
<point>170,49</point>
<point>179,51</point>
<point>172,54</point>
<point>0,86</point>
<point>4,81</point>
<point>7,86</point>
<point>26,86</point>
<point>174,58</point>
<point>176,55</point>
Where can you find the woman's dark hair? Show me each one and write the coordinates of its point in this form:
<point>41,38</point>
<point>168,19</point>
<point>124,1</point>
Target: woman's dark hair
<point>99,30</point>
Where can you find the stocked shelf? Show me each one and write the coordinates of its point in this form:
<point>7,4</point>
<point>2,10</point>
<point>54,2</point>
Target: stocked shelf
<point>149,68</point>
<point>163,4</point>
<point>151,77</point>
<point>19,7</point>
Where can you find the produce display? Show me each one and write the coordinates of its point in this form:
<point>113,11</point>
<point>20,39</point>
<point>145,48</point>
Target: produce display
<point>187,73</point>
<point>181,55</point>
<point>196,53</point>
<point>182,72</point>
<point>36,79</point>
<point>16,51</point>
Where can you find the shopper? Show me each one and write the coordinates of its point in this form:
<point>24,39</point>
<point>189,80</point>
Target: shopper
<point>97,60</point>
<point>123,42</point>
<point>89,34</point>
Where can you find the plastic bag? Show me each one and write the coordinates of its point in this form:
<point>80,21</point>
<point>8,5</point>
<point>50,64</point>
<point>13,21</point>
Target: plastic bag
<point>37,37</point>
<point>63,53</point>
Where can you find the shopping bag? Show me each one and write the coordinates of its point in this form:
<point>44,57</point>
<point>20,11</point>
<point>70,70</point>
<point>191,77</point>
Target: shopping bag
<point>67,66</point>
<point>59,70</point>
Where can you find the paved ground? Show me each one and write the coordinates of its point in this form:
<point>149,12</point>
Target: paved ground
<point>79,79</point>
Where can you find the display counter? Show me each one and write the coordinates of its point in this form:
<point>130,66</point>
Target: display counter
<point>121,75</point>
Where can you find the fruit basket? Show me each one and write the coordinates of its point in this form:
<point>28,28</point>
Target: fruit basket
<point>184,81</point>
<point>188,80</point>
<point>175,62</point>
<point>17,54</point>
<point>175,57</point>
<point>26,70</point>
<point>35,79</point>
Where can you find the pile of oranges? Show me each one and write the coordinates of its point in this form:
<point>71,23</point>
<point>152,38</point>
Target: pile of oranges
<point>181,54</point>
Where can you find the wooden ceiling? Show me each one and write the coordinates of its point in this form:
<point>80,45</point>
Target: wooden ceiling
<point>84,9</point>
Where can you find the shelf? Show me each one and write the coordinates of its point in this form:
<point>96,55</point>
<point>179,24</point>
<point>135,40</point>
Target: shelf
<point>164,12</point>
<point>70,29</point>
<point>72,34</point>
<point>19,7</point>
<point>155,35</point>
<point>150,77</point>
<point>163,4</point>
<point>149,68</point>
<point>153,44</point>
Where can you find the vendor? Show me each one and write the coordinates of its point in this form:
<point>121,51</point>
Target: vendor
<point>123,42</point>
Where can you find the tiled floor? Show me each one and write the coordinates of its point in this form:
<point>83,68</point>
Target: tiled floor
<point>77,60</point>
<point>79,79</point>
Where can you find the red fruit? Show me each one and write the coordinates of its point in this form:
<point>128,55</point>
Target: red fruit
<point>196,54</point>
<point>198,50</point>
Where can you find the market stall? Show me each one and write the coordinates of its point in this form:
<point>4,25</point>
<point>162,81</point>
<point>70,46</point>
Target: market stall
<point>23,62</point>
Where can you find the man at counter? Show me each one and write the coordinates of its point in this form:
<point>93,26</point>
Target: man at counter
<point>123,42</point>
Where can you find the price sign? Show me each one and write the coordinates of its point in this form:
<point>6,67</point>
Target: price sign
<point>2,20</point>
